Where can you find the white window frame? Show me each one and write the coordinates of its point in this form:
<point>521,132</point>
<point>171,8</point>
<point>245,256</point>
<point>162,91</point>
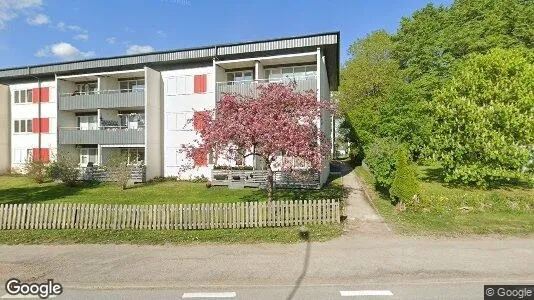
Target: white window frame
<point>17,96</point>
<point>242,75</point>
<point>87,125</point>
<point>132,85</point>
<point>85,154</point>
<point>21,155</point>
<point>28,128</point>
<point>308,72</point>
<point>86,88</point>
<point>136,151</point>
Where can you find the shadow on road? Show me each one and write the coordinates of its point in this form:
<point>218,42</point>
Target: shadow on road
<point>305,235</point>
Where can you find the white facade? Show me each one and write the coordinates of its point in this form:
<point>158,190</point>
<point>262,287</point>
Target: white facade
<point>145,112</point>
<point>23,114</point>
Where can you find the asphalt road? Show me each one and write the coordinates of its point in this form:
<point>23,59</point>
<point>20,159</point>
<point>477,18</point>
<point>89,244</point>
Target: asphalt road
<point>409,268</point>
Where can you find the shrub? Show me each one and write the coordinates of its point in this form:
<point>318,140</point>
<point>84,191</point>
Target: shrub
<point>379,157</point>
<point>36,170</point>
<point>119,171</point>
<point>64,169</point>
<point>405,187</point>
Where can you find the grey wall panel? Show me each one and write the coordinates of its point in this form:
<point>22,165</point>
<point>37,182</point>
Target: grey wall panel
<point>102,137</point>
<point>95,101</point>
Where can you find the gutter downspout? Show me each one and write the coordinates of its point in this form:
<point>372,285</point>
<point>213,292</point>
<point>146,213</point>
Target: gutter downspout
<point>39,140</point>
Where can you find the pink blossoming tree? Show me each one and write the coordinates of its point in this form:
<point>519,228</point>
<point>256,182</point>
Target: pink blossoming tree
<point>278,121</point>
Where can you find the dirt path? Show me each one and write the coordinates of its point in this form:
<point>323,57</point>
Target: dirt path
<point>361,215</point>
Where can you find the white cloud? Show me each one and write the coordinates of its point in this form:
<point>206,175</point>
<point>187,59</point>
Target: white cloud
<point>81,36</point>
<point>39,19</point>
<point>10,9</point>
<point>111,40</point>
<point>64,27</point>
<point>161,34</point>
<point>63,51</point>
<point>136,49</point>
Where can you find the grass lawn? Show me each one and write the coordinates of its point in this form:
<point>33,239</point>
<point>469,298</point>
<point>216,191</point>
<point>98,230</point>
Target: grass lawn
<point>17,189</point>
<point>448,209</point>
<point>318,233</point>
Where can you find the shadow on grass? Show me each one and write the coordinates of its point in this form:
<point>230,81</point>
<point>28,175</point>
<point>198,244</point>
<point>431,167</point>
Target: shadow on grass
<point>41,194</point>
<point>329,191</point>
<point>437,174</point>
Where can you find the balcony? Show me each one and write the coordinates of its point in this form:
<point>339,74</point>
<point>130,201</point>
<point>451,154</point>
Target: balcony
<point>102,99</point>
<point>115,136</point>
<point>250,88</point>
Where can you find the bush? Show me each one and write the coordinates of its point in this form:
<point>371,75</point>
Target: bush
<point>64,169</point>
<point>119,170</point>
<point>36,170</point>
<point>405,187</point>
<point>379,157</point>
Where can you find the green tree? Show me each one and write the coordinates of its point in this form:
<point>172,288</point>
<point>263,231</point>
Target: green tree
<point>485,118</point>
<point>405,187</point>
<point>430,42</point>
<point>366,80</point>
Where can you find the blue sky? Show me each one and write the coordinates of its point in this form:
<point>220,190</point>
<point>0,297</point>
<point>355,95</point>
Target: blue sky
<point>46,31</point>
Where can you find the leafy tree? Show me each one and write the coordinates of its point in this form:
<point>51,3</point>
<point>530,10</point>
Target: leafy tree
<point>485,118</point>
<point>430,42</point>
<point>405,187</point>
<point>366,81</point>
<point>279,121</point>
<point>375,97</point>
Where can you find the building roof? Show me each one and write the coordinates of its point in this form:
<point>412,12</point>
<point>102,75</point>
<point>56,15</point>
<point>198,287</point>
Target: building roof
<point>329,42</point>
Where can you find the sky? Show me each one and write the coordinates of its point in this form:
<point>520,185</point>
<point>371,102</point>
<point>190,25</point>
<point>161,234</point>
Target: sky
<point>49,31</point>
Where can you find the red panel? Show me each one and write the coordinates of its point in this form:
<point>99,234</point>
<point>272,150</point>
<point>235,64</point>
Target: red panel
<point>45,155</point>
<point>196,88</point>
<point>204,83</point>
<point>45,125</point>
<point>200,84</point>
<point>45,94</point>
<point>35,154</point>
<point>35,95</point>
<point>35,125</point>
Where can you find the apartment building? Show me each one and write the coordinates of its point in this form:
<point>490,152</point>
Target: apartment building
<point>144,105</point>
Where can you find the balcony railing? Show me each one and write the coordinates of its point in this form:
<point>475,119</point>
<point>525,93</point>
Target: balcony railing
<point>102,99</point>
<point>104,136</point>
<point>250,88</point>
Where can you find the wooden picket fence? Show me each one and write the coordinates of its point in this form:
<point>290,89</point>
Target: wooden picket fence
<point>169,216</point>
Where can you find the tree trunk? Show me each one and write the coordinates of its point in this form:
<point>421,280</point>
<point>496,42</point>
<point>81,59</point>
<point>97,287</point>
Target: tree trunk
<point>270,181</point>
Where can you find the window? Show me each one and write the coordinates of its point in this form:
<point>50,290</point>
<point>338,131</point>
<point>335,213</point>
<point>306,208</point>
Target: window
<point>133,85</point>
<point>132,120</point>
<point>21,156</point>
<point>22,126</point>
<point>86,88</point>
<point>88,156</point>
<point>291,72</point>
<point>22,96</point>
<point>87,122</point>
<point>239,76</point>
<point>136,156</point>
